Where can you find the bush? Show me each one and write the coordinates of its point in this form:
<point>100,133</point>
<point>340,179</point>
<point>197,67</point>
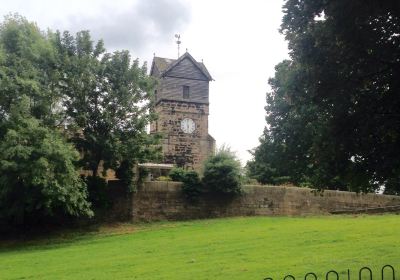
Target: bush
<point>192,187</point>
<point>222,173</point>
<point>177,174</point>
<point>250,181</point>
<point>164,179</point>
<point>99,195</point>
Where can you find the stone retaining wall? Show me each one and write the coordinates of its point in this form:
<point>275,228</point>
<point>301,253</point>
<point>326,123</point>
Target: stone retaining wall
<point>165,201</point>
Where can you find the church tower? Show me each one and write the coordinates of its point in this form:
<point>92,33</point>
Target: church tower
<point>182,106</point>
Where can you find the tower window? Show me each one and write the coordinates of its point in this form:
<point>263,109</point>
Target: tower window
<point>186,94</point>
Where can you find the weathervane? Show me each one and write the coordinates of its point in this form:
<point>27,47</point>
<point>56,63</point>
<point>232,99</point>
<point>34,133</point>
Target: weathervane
<point>178,41</point>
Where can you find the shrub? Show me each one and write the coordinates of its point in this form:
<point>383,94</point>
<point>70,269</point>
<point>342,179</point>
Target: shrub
<point>143,174</point>
<point>250,181</point>
<point>192,187</point>
<point>222,173</point>
<point>164,179</point>
<point>177,174</point>
<point>99,195</point>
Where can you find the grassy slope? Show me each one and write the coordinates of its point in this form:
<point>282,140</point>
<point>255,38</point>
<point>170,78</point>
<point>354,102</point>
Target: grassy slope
<point>236,248</point>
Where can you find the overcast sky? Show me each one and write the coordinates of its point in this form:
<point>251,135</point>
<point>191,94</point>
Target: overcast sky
<point>238,41</point>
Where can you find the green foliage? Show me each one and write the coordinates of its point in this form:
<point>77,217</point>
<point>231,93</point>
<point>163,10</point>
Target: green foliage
<point>103,98</point>
<point>177,174</point>
<point>37,173</point>
<point>107,100</point>
<point>333,111</point>
<point>27,67</point>
<point>65,80</point>
<point>38,178</point>
<point>142,176</point>
<point>164,179</point>
<point>250,181</point>
<point>125,173</point>
<point>222,173</point>
<point>192,187</point>
<point>98,193</point>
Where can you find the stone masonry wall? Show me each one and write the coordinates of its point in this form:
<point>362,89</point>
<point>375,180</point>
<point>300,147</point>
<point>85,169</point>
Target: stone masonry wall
<point>165,201</point>
<point>189,150</point>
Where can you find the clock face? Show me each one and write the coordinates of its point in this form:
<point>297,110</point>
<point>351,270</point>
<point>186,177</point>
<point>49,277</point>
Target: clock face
<point>188,125</point>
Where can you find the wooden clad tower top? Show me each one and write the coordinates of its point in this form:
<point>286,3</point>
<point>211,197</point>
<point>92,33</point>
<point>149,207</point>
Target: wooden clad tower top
<point>174,74</point>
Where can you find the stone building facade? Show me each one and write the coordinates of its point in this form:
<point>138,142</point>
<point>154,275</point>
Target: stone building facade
<point>182,106</point>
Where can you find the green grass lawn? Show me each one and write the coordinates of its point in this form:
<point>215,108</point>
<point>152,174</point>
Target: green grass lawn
<point>234,248</point>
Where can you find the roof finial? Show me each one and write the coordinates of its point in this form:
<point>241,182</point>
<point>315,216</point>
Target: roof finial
<point>178,41</point>
<point>186,50</point>
<point>154,54</point>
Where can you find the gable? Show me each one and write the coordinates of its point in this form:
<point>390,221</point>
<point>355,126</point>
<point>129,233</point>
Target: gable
<point>159,65</point>
<point>186,69</point>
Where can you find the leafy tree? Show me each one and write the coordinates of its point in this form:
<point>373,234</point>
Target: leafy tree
<point>59,80</point>
<point>284,150</point>
<point>222,173</point>
<point>38,177</point>
<point>107,99</point>
<point>27,67</point>
<point>288,150</point>
<point>334,108</point>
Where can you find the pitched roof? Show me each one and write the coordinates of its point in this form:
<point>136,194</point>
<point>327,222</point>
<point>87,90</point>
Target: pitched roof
<point>164,65</point>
